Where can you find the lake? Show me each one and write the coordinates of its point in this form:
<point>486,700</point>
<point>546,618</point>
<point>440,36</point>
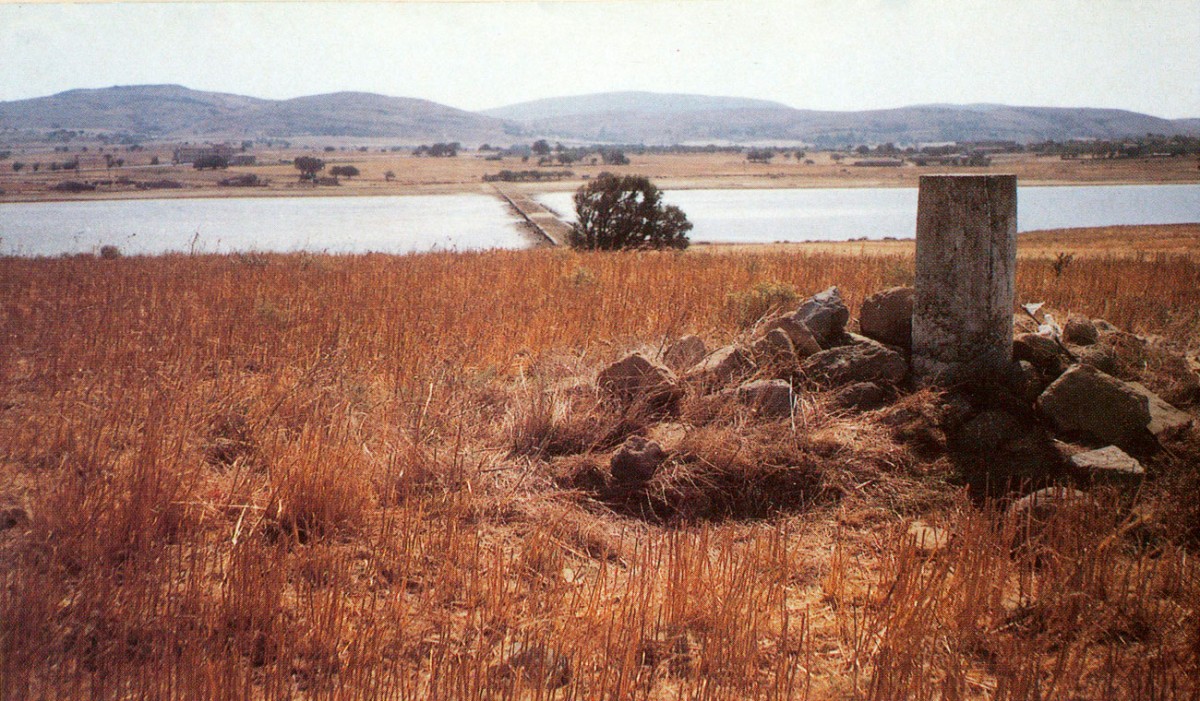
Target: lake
<point>838,214</point>
<point>393,224</point>
<point>404,224</point>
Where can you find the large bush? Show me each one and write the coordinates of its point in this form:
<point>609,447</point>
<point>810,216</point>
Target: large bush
<point>619,212</point>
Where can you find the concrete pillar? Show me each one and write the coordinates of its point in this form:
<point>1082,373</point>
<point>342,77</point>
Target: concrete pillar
<point>966,274</point>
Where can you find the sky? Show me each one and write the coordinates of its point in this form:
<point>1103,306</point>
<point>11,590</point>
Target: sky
<point>1141,55</point>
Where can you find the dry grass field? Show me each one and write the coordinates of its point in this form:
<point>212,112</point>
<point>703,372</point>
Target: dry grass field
<point>423,175</point>
<point>300,476</point>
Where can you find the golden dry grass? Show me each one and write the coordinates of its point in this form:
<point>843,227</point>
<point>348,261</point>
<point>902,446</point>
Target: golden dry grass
<point>282,476</point>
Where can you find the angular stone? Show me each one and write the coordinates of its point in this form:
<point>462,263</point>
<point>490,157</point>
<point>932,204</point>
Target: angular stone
<point>825,315</point>
<point>1025,381</point>
<point>636,461</point>
<point>1042,351</point>
<point>1103,326</point>
<point>685,352</point>
<point>722,367</point>
<point>965,277</point>
<point>1108,463</point>
<point>1081,331</point>
<point>861,362</point>
<point>635,378</point>
<point>1085,400</point>
<point>803,341</point>
<point>775,350</point>
<point>887,317</point>
<point>860,396</point>
<point>1100,356</point>
<point>1164,418</point>
<point>769,398</point>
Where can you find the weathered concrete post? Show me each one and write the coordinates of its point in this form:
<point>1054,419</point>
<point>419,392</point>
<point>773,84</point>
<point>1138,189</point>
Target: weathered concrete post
<point>966,273</point>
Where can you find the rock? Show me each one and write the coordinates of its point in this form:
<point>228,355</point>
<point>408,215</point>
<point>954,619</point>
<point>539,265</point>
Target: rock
<point>1085,400</point>
<point>1164,418</point>
<point>860,396</point>
<point>685,352</point>
<point>825,315</point>
<point>775,350</point>
<point>1040,506</point>
<point>927,539</point>
<point>857,363</point>
<point>1109,463</point>
<point>1025,381</point>
<point>1042,351</point>
<point>1103,326</point>
<point>636,461</point>
<point>1100,356</point>
<point>769,398</point>
<point>538,664</point>
<point>635,378</point>
<point>722,367</point>
<point>802,339</point>
<point>887,317</point>
<point>1081,331</point>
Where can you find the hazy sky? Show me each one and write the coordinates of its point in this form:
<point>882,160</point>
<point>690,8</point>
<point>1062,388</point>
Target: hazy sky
<point>1142,55</point>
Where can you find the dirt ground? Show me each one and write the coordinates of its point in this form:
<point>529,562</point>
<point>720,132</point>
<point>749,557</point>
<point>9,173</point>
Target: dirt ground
<point>137,178</point>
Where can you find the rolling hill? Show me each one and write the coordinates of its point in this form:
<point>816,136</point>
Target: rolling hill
<point>176,112</point>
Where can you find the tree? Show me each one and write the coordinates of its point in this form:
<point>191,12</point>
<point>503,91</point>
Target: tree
<point>541,147</point>
<point>213,162</point>
<point>389,176</point>
<point>309,167</point>
<point>763,155</point>
<point>346,171</point>
<point>626,212</point>
<point>614,157</point>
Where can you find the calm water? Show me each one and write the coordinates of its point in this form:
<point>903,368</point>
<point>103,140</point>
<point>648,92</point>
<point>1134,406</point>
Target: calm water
<point>467,222</point>
<point>837,214</point>
<point>334,224</point>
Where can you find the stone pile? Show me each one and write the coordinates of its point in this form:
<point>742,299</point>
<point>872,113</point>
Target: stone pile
<point>1061,383</point>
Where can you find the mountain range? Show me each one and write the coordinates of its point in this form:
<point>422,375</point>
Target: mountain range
<point>176,112</point>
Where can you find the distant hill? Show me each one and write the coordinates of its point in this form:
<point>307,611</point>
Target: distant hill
<point>173,111</point>
<point>625,103</point>
<point>923,123</point>
<point>176,112</point>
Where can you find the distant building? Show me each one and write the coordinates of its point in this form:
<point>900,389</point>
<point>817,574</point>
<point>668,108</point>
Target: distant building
<point>242,159</point>
<point>189,154</point>
<point>880,163</point>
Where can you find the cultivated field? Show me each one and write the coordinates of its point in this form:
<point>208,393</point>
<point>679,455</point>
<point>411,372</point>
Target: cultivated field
<point>299,476</point>
<point>464,173</point>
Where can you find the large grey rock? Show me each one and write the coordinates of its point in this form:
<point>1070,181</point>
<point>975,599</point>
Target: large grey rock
<point>965,279</point>
<point>803,341</point>
<point>860,362</point>
<point>1080,331</point>
<point>887,317</point>
<point>637,378</point>
<point>825,315</point>
<point>775,350</point>
<point>636,461</point>
<point>769,398</point>
<point>722,367</point>
<point>685,352</point>
<point>1164,418</point>
<point>1109,463</point>
<point>1085,400</point>
<point>860,396</point>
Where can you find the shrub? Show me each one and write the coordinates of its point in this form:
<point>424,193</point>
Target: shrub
<point>749,306</point>
<point>626,212</point>
<point>110,252</point>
